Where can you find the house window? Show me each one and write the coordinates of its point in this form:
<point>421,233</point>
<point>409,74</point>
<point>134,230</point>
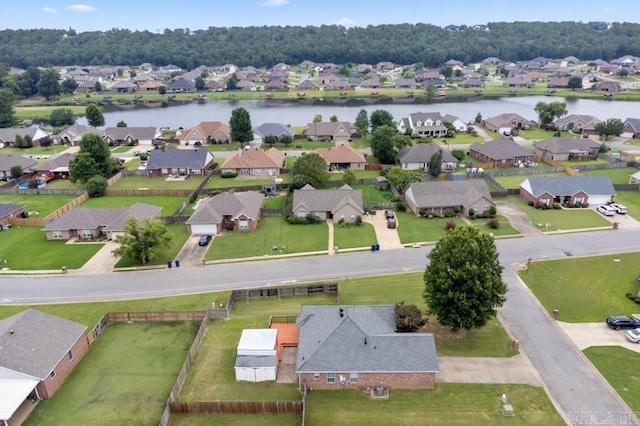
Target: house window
<point>196,171</point>
<point>316,376</point>
<point>578,200</point>
<point>353,378</point>
<point>331,377</point>
<point>257,172</point>
<point>86,233</point>
<point>70,354</point>
<point>164,171</point>
<point>418,123</point>
<point>52,374</point>
<point>57,234</point>
<point>243,225</point>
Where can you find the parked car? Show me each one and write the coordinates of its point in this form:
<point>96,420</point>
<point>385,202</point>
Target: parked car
<point>619,208</point>
<point>204,240</point>
<point>633,335</point>
<point>388,214</point>
<point>622,321</point>
<point>391,223</point>
<point>606,210</point>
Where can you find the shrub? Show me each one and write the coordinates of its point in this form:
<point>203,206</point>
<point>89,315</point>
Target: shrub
<point>422,212</point>
<point>228,175</point>
<point>429,216</point>
<point>493,223</point>
<point>299,146</point>
<point>584,205</point>
<point>472,213</point>
<point>457,210</point>
<point>492,211</point>
<point>449,225</point>
<point>358,221</point>
<point>401,206</point>
<point>530,203</point>
<point>308,220</point>
<point>557,206</point>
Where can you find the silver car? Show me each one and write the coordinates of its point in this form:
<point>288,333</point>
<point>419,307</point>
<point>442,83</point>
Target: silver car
<point>633,335</point>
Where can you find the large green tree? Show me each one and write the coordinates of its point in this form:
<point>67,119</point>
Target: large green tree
<point>379,118</point>
<point>69,85</point>
<point>362,122</point>
<point>143,241</point>
<point>94,115</point>
<point>610,127</point>
<point>463,280</point>
<point>435,163</point>
<point>240,124</point>
<point>575,83</point>
<point>94,158</point>
<point>49,84</point>
<point>401,178</point>
<point>309,169</point>
<point>82,168</point>
<point>549,112</point>
<point>7,113</point>
<point>61,117</point>
<point>382,144</point>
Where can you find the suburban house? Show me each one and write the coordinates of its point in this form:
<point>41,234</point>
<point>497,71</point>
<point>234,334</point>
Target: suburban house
<point>39,351</point>
<point>442,196</point>
<point>609,86</point>
<point>7,211</point>
<point>518,81</point>
<point>72,135</point>
<point>205,132</point>
<point>116,136</point>
<point>501,152</point>
<point>87,223</point>
<point>238,211</point>
<point>273,129</point>
<point>256,355</point>
<point>328,204</point>
<point>56,168</point>
<point>575,122</point>
<point>124,86</point>
<point>255,162</point>
<point>340,131</point>
<point>560,149</point>
<point>423,125</point>
<point>547,190</point>
<point>179,162</point>
<point>418,157</point>
<point>358,347</point>
<point>181,84</point>
<point>505,122</point>
<point>342,157</point>
<point>35,134</point>
<point>7,161</point>
<point>631,128</point>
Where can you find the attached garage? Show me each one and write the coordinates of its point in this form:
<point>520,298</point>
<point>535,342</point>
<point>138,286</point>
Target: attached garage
<point>256,359</point>
<point>202,229</point>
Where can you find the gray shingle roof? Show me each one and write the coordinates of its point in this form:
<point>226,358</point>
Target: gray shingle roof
<point>112,219</point>
<point>326,200</point>
<point>568,185</point>
<point>633,122</point>
<point>38,343</point>
<point>9,160</point>
<point>273,129</point>
<point>121,133</point>
<point>9,134</point>
<point>8,208</point>
<point>500,149</point>
<point>178,158</point>
<point>212,210</point>
<point>449,193</point>
<point>422,153</point>
<point>363,339</point>
<point>565,145</point>
<point>61,160</point>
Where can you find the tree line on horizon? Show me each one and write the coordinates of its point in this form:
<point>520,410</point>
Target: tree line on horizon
<point>265,46</point>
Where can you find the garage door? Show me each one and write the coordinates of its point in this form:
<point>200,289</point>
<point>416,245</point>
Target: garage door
<point>203,229</point>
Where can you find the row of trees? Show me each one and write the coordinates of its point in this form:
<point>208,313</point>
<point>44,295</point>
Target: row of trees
<point>268,45</point>
<point>33,81</point>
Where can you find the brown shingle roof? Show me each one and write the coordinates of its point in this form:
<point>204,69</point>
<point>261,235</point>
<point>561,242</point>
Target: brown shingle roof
<point>341,154</point>
<point>254,158</point>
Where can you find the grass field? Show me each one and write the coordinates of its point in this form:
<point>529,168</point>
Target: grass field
<point>631,199</point>
<point>180,235</point>
<point>37,205</point>
<point>563,219</point>
<point>350,236</point>
<point>26,248</point>
<point>620,175</point>
<point>236,420</point>
<point>137,182</point>
<point>513,182</point>
<point>217,182</point>
<point>63,184</point>
<point>505,228</point>
<point>620,367</point>
<point>537,133</point>
<point>414,229</point>
<point>372,195</point>
<point>169,204</point>
<point>585,289</point>
<point>271,232</point>
<point>124,379</point>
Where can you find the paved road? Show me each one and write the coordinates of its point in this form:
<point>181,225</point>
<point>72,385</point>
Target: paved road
<point>578,389</point>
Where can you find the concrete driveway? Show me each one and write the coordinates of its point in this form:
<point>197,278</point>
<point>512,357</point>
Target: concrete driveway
<point>191,254</point>
<point>584,335</point>
<point>387,238</point>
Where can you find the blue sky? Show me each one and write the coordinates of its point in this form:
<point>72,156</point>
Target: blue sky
<point>100,15</point>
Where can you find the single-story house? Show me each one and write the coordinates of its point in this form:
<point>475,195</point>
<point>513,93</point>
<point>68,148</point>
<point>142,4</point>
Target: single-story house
<point>179,162</point>
<point>35,134</point>
<point>7,161</point>
<point>89,223</point>
<point>255,162</point>
<point>328,204</point>
<point>124,86</point>
<point>634,178</point>
<point>501,152</point>
<point>56,168</point>
<point>471,82</point>
<point>547,190</point>
<point>72,135</point>
<point>307,85</point>
<point>356,347</point>
<point>8,210</point>
<point>39,351</point>
<point>342,157</point>
<point>518,81</point>
<point>116,136</point>
<point>558,82</point>
<point>273,129</point>
<point>238,211</point>
<point>181,84</point>
<point>560,149</point>
<point>418,157</point>
<point>340,132</point>
<point>205,132</point>
<point>505,122</point>
<point>630,155</point>
<point>256,358</point>
<point>441,196</point>
<point>609,86</point>
<point>428,124</point>
<point>631,128</point>
<point>575,122</point>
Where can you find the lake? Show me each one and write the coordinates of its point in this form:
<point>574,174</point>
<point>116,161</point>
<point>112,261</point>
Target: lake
<point>297,113</point>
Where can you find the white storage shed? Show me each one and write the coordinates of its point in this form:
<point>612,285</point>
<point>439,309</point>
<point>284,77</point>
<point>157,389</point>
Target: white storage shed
<point>256,358</point>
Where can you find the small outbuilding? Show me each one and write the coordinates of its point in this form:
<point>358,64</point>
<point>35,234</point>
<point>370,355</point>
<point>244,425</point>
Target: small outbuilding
<point>256,358</point>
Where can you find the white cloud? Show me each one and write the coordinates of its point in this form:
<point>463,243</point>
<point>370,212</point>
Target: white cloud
<point>345,22</point>
<point>49,10</point>
<point>270,3</point>
<point>81,8</point>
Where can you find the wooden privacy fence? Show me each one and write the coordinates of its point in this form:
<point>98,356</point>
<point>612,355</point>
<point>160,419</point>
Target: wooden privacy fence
<point>236,407</point>
<point>148,192</point>
<point>71,204</point>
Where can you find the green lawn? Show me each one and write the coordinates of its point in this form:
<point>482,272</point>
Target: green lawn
<point>351,236</point>
<point>413,229</point>
<point>447,404</point>
<point>271,231</point>
<point>360,174</point>
<point>585,289</point>
<point>137,182</point>
<point>236,419</point>
<point>620,367</point>
<point>180,237</point>
<point>578,164</point>
<point>617,175</point>
<point>37,205</point>
<point>121,149</point>
<point>49,150</point>
<point>63,184</point>
<point>372,195</point>
<point>124,379</point>
<point>513,182</point>
<point>504,229</point>
<point>460,139</point>
<point>133,163</point>
<point>631,199</point>
<point>537,133</point>
<point>169,204</point>
<point>274,202</point>
<point>217,182</point>
<point>563,219</point>
<point>26,248</point>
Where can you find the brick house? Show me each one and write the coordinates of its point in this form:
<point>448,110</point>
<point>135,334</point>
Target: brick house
<point>342,157</point>
<point>418,157</point>
<point>442,196</point>
<point>205,132</point>
<point>344,203</point>
<point>238,211</point>
<point>501,152</point>
<point>347,347</point>
<point>116,136</point>
<point>255,162</point>
<point>505,122</point>
<point>547,190</point>
<point>7,211</point>
<point>7,161</point>
<point>561,149</point>
<point>631,128</point>
<point>340,132</point>
<point>179,162</point>
<point>39,351</point>
<point>575,122</point>
<point>35,134</point>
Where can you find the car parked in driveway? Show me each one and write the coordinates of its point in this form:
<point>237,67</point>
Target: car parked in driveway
<point>204,240</point>
<point>619,208</point>
<point>606,210</point>
<point>622,321</point>
<point>389,214</point>
<point>633,335</point>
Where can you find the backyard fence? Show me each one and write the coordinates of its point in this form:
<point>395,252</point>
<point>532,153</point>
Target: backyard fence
<point>41,191</point>
<point>139,192</point>
<point>39,221</point>
<point>626,186</point>
<point>71,204</point>
<point>113,179</point>
<point>236,407</point>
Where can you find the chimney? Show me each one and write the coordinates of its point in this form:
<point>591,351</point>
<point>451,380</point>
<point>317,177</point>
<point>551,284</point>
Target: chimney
<point>341,312</point>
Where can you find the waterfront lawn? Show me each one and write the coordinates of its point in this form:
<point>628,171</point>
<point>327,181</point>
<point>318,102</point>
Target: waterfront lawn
<point>619,366</point>
<point>124,379</point>
<point>180,236</point>
<point>169,204</point>
<point>352,236</point>
<point>447,404</point>
<point>513,182</point>
<point>143,182</point>
<point>271,232</point>
<point>27,248</point>
<point>620,175</point>
<point>504,229</point>
<point>414,229</point>
<point>38,206</point>
<point>562,219</point>
<point>571,285</point>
